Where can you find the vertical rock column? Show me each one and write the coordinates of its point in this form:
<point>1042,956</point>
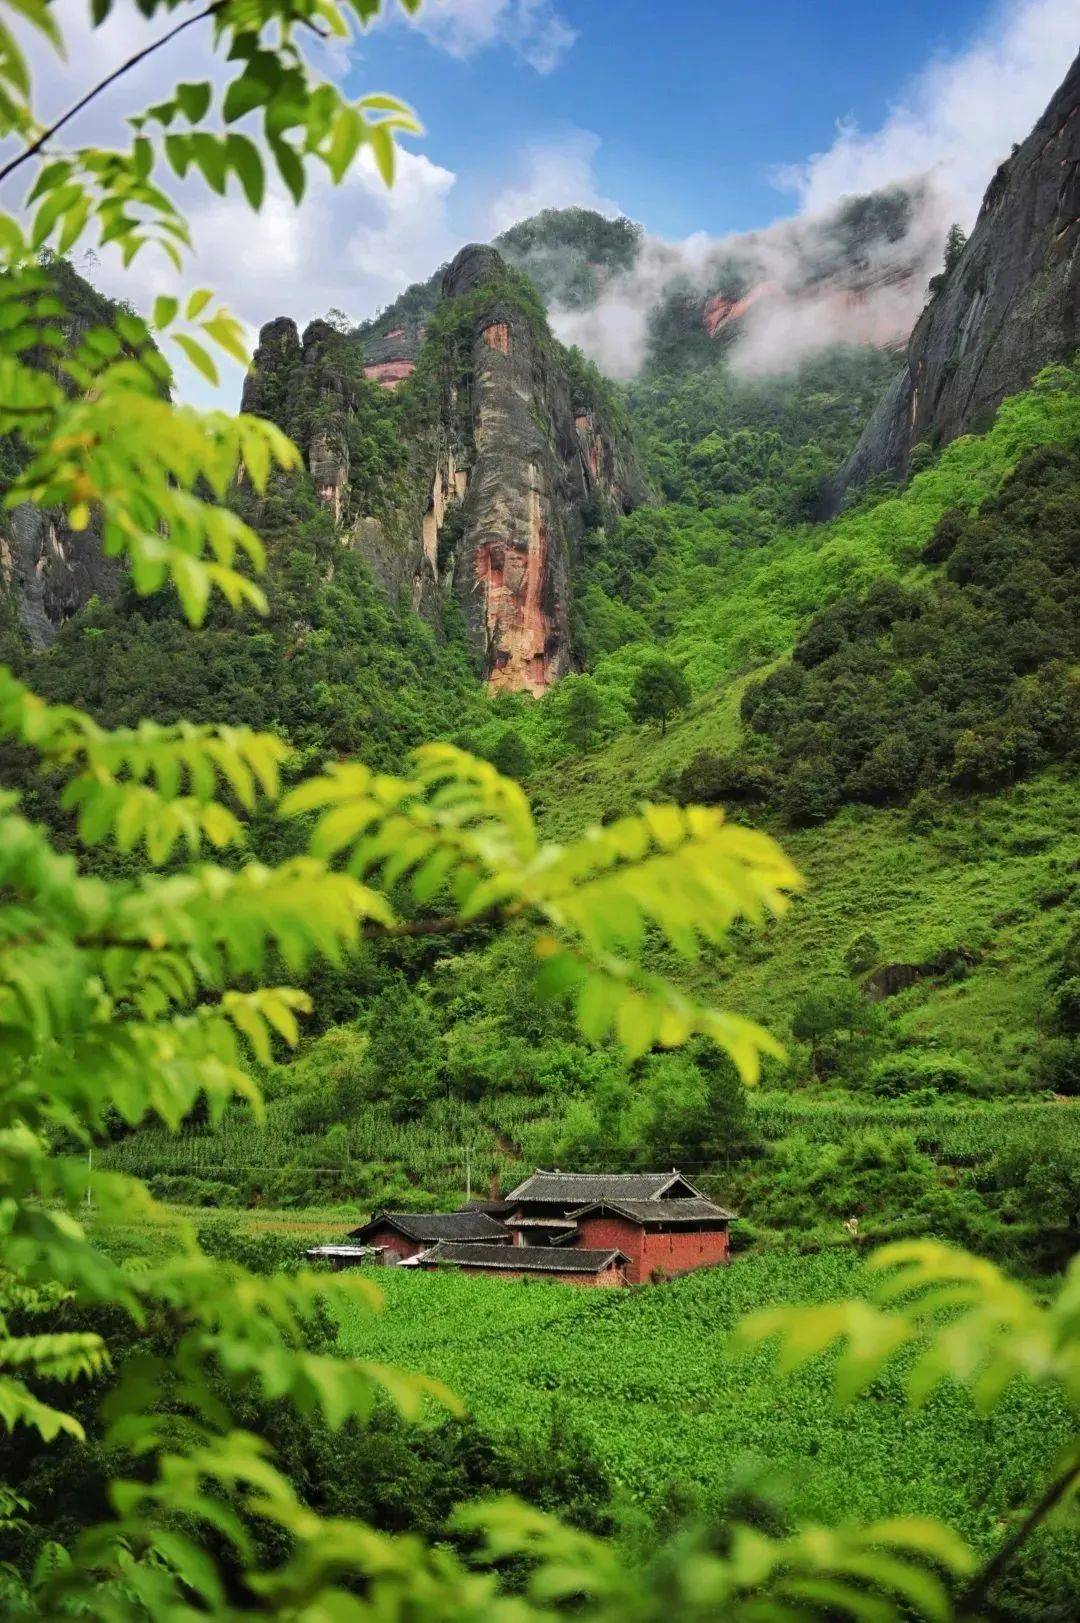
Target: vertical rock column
<point>514,585</point>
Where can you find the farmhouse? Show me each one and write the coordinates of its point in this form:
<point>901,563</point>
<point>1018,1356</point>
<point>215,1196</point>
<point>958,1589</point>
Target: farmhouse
<point>544,1205</point>
<point>658,1237</point>
<point>580,1228</point>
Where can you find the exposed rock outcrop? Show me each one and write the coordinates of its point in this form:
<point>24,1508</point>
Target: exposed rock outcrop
<point>52,570</point>
<point>391,357</point>
<point>535,463</point>
<point>306,386</point>
<point>49,571</point>
<point>509,447</point>
<point>1009,306</point>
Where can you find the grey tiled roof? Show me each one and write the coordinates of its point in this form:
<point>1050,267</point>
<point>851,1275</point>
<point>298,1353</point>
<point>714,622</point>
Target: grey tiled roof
<point>428,1227</point>
<point>581,1187</point>
<point>680,1212</point>
<point>539,1259</point>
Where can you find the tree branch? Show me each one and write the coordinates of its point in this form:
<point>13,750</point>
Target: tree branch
<point>970,1602</point>
<point>110,79</point>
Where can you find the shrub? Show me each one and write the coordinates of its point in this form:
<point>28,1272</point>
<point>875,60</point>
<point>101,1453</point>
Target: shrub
<point>1066,1015</point>
<point>1057,1066</point>
<point>710,778</point>
<point>862,952</point>
<point>904,1073</point>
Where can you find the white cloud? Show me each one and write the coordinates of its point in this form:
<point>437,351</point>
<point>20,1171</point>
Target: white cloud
<point>557,173</point>
<point>958,118</point>
<point>533,29</point>
<point>947,132</point>
<point>355,246</point>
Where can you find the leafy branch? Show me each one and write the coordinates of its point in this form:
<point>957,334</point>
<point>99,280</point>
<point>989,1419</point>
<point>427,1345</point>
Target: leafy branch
<point>110,79</point>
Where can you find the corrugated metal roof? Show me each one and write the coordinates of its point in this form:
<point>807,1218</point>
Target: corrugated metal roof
<point>582,1187</point>
<point>344,1250</point>
<point>428,1227</point>
<point>539,1259</point>
<point>694,1210</point>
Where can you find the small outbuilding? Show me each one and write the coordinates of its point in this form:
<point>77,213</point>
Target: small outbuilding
<point>406,1234</point>
<point>568,1265</point>
<point>345,1256</point>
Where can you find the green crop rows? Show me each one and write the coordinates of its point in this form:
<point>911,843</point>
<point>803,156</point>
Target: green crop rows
<point>647,1376</point>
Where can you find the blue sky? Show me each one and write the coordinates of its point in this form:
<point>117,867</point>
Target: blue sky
<point>695,102</point>
<point>680,113</point>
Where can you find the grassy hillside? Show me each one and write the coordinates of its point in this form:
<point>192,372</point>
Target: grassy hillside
<point>994,878</point>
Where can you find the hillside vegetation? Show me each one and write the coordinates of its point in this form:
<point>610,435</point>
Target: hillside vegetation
<point>921,983</point>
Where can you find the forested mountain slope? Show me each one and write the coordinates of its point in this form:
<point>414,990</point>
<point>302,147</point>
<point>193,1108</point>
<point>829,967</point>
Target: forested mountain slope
<point>923,984</point>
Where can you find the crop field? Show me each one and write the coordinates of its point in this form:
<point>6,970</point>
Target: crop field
<point>649,1378</point>
<point>960,1133</point>
<point>373,1161</point>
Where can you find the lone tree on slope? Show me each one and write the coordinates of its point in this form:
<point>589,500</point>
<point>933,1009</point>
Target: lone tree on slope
<point>660,688</point>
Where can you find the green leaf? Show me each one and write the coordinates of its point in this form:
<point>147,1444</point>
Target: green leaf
<point>165,309</point>
<point>74,224</point>
<point>194,100</point>
<point>198,357</point>
<point>289,166</point>
<point>57,203</point>
<point>210,157</point>
<point>382,144</point>
<point>254,88</point>
<point>49,177</point>
<point>228,335</point>
<point>247,165</point>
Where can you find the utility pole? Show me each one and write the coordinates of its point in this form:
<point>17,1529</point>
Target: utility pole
<point>468,1174</point>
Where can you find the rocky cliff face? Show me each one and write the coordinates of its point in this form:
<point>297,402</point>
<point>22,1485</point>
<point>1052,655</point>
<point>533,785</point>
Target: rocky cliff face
<point>536,458</point>
<point>47,570</point>
<point>1010,305</point>
<point>50,570</point>
<point>307,386</point>
<point>509,446</point>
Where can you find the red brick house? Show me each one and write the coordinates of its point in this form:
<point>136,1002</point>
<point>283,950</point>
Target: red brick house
<point>406,1234</point>
<point>568,1265</point>
<point>658,1237</point>
<point>578,1228</point>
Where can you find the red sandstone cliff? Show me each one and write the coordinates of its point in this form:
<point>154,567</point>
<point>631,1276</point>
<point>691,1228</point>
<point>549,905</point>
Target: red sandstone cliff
<point>534,462</point>
<point>508,444</point>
